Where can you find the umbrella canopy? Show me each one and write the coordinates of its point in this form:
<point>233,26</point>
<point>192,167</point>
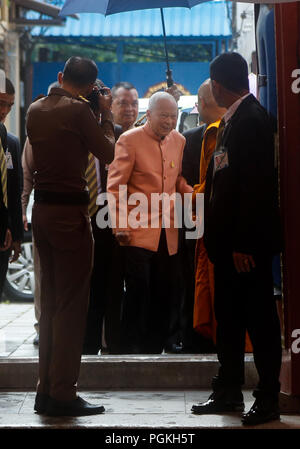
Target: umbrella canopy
<point>108,7</point>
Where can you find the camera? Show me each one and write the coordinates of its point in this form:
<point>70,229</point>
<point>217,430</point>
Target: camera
<point>99,89</point>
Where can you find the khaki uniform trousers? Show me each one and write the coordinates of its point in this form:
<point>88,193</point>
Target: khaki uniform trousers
<point>65,246</point>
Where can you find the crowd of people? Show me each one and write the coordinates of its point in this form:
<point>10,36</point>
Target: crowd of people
<point>135,287</point>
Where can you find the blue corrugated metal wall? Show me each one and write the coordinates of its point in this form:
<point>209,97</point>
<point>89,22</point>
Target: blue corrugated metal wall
<point>142,75</point>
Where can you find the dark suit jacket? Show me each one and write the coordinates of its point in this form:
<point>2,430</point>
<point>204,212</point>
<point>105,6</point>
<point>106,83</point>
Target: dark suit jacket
<point>191,154</point>
<point>241,212</point>
<point>14,188</point>
<point>3,210</point>
<point>104,167</point>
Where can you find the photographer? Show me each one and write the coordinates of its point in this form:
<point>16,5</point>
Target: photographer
<point>63,131</point>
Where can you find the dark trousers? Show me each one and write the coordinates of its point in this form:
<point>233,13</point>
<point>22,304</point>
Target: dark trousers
<point>151,307</point>
<point>245,301</point>
<point>4,258</point>
<point>106,295</point>
<point>63,238</point>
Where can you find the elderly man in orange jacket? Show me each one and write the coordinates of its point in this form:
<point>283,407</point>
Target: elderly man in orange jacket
<point>147,164</point>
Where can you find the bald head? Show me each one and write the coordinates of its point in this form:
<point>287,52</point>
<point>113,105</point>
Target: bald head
<point>162,113</point>
<point>205,92</point>
<point>208,109</point>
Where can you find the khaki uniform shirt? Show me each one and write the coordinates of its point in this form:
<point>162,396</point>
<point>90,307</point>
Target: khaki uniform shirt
<point>62,131</point>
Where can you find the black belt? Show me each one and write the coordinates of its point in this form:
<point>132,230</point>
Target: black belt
<point>45,196</point>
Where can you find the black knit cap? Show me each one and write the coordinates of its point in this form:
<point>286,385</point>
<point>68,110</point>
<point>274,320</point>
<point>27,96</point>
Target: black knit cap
<point>231,71</point>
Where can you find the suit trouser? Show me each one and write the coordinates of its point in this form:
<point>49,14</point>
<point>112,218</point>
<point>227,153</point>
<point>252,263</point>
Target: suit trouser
<point>245,301</point>
<point>37,286</point>
<point>4,259</point>
<point>65,245</point>
<point>152,300</point>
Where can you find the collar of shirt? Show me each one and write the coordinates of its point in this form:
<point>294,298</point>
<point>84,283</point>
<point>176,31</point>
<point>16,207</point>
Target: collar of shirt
<point>152,134</point>
<point>232,109</point>
<point>60,91</point>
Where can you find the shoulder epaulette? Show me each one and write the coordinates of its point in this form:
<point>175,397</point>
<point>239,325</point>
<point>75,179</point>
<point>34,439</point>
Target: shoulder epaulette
<point>80,97</point>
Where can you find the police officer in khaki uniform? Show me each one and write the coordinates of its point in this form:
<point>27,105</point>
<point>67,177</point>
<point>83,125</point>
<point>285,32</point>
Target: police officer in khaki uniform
<point>63,130</point>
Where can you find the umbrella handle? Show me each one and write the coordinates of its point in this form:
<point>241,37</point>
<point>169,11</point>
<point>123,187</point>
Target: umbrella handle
<point>170,81</point>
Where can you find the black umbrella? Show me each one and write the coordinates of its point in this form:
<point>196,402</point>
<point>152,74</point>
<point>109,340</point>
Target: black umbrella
<point>108,7</point>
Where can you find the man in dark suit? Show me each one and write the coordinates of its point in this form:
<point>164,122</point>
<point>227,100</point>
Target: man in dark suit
<point>241,235</point>
<point>107,283</point>
<point>125,105</point>
<point>5,234</point>
<point>14,184</point>
<point>192,153</point>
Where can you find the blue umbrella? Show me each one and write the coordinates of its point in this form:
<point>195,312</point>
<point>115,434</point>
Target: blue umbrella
<point>108,7</point>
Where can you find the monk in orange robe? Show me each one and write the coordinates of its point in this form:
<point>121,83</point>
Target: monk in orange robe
<point>204,317</point>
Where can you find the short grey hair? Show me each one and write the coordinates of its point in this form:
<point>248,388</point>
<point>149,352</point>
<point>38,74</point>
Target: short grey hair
<point>155,98</point>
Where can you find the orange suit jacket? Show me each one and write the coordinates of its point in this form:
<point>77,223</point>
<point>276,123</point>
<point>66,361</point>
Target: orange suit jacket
<point>146,164</point>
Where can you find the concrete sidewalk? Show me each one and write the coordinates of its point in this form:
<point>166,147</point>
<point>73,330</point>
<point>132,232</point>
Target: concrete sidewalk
<point>126,408</point>
<point>131,410</point>
<point>17,330</point>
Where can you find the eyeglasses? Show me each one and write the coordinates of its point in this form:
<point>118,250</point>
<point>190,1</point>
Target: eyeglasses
<point>125,104</point>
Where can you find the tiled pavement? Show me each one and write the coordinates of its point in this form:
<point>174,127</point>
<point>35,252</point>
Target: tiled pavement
<point>17,330</point>
<point>130,409</point>
<point>168,409</point>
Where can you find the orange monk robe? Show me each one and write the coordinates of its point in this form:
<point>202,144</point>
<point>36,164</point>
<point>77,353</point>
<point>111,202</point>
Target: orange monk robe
<point>204,317</point>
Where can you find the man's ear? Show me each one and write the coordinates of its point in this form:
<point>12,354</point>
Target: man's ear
<point>148,114</point>
<point>202,101</point>
<point>60,77</point>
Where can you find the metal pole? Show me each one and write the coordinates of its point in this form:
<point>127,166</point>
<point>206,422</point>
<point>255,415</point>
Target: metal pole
<point>170,81</point>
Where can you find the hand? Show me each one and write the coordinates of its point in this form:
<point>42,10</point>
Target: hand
<point>7,241</point>
<point>174,91</point>
<point>243,262</point>
<point>105,100</point>
<point>16,251</point>
<point>123,237</point>
<point>25,222</point>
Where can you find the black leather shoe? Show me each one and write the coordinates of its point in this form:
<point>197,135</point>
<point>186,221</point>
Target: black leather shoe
<point>213,406</point>
<point>40,404</point>
<point>261,412</point>
<point>222,400</point>
<point>90,351</point>
<point>76,407</point>
<point>36,340</point>
<point>174,348</point>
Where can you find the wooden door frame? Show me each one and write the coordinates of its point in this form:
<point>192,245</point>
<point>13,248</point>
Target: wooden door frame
<point>287,30</point>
